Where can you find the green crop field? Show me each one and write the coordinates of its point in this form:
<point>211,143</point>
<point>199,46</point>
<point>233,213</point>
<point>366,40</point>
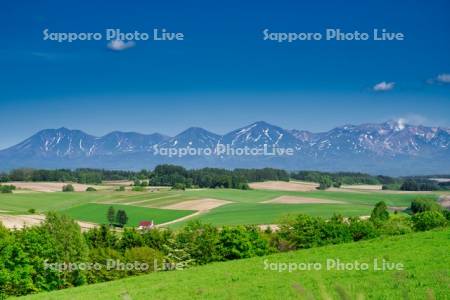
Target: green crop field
<point>425,275</point>
<point>245,209</point>
<point>96,213</point>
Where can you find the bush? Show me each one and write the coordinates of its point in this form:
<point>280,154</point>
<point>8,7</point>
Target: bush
<point>201,241</point>
<point>68,188</point>
<point>179,186</point>
<point>7,189</point>
<point>336,231</point>
<point>362,229</point>
<point>144,255</point>
<point>241,242</point>
<point>424,204</point>
<point>396,225</point>
<point>101,256</point>
<point>428,220</point>
<point>120,189</point>
<point>379,212</point>
<point>138,188</point>
<point>302,232</point>
<point>32,211</point>
<point>325,182</point>
<point>91,189</point>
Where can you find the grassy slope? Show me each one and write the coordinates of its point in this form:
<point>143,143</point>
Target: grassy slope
<point>93,212</point>
<point>424,255</point>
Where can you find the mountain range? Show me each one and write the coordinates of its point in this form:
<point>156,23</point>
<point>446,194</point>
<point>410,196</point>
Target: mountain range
<point>390,148</point>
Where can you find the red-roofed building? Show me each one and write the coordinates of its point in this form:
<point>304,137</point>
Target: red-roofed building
<point>144,225</point>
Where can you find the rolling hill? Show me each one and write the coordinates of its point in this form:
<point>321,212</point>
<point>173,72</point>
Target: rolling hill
<point>424,275</point>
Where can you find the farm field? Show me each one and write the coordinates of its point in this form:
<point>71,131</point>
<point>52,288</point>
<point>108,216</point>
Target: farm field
<point>217,206</point>
<point>96,213</point>
<point>424,276</point>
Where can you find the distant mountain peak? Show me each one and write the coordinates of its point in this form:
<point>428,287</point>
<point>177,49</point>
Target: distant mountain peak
<point>392,147</point>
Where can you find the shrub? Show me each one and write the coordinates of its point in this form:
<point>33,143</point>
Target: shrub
<point>303,231</point>
<point>120,189</point>
<point>428,220</point>
<point>379,212</point>
<point>396,225</point>
<point>32,211</point>
<point>362,229</point>
<point>201,241</point>
<point>336,231</point>
<point>130,238</point>
<point>424,204</point>
<point>144,255</point>
<point>68,188</point>
<point>101,257</point>
<point>155,238</point>
<point>179,186</point>
<point>138,188</point>
<point>325,182</point>
<point>91,189</point>
<point>7,189</point>
<point>241,242</point>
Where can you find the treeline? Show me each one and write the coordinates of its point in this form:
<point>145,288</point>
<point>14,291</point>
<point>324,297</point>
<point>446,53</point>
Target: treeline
<point>176,176</point>
<point>327,179</point>
<point>162,175</point>
<point>344,177</point>
<point>179,177</point>
<point>56,255</point>
<point>88,176</point>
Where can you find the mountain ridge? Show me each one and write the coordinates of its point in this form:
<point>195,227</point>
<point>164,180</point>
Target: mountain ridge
<point>390,148</point>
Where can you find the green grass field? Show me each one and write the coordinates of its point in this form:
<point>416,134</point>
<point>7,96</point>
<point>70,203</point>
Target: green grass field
<point>245,209</point>
<point>425,275</point>
<point>96,213</point>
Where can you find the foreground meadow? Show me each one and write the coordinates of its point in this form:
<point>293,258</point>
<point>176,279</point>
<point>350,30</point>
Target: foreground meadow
<point>425,275</point>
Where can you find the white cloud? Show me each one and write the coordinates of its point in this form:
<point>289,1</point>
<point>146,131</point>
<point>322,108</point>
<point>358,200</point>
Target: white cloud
<point>443,78</point>
<point>119,45</point>
<point>383,86</point>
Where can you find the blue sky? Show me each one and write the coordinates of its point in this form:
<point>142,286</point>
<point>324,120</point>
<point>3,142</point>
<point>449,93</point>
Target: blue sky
<point>223,75</point>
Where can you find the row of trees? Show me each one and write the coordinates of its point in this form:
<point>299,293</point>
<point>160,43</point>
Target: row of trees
<point>162,175</point>
<point>326,180</point>
<point>171,175</point>
<point>86,176</point>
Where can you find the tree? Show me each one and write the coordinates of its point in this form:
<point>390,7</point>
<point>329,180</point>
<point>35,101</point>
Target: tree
<point>423,204</point>
<point>428,220</point>
<point>111,215</point>
<point>380,212</point>
<point>69,246</point>
<point>325,182</point>
<point>121,217</point>
<point>7,189</point>
<point>68,188</point>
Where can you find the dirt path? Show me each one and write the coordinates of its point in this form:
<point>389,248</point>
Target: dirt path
<point>200,205</point>
<point>181,219</point>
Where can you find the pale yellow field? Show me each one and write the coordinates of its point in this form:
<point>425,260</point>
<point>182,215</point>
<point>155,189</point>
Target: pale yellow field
<point>295,186</point>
